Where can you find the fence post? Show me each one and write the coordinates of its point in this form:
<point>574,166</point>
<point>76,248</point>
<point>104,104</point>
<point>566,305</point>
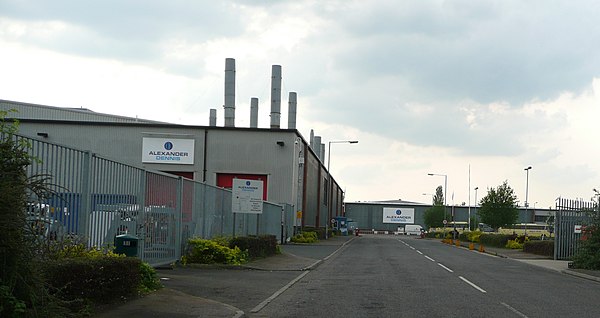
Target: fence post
<point>178,219</point>
<point>141,204</point>
<point>85,205</point>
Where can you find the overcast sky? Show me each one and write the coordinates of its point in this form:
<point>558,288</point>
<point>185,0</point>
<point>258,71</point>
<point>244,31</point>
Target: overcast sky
<point>425,86</point>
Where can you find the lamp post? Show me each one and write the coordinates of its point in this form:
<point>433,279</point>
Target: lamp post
<point>527,196</point>
<point>329,179</point>
<point>476,188</point>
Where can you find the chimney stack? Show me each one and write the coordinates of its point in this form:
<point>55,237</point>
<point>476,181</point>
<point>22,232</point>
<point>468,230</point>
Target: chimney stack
<point>292,105</point>
<point>229,92</point>
<point>275,96</point>
<point>212,122</point>
<point>317,147</point>
<point>253,112</point>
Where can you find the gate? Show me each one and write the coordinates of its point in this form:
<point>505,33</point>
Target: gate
<point>569,214</point>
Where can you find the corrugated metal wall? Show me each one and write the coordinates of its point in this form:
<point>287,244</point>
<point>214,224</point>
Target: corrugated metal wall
<point>42,112</point>
<point>271,152</point>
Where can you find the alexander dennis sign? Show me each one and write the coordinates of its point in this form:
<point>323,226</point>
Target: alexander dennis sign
<point>170,151</point>
<point>246,196</point>
<point>399,215</point>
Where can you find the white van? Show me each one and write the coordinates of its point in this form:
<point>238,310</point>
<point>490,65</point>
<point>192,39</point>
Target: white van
<point>413,229</point>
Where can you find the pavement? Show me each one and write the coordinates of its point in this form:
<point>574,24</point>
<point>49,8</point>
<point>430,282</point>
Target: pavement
<point>176,302</point>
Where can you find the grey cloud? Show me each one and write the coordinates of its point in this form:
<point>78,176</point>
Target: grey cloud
<point>505,56</point>
<point>128,30</point>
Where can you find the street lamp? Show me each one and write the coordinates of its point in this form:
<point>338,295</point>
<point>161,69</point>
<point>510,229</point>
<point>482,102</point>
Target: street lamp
<point>445,183</point>
<point>329,179</point>
<point>476,188</point>
<point>526,197</point>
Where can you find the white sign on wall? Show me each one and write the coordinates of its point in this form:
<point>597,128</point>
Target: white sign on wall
<point>247,196</point>
<point>399,215</point>
<point>169,151</point>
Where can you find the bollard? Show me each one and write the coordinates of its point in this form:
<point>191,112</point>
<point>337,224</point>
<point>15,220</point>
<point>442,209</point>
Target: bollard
<point>471,246</point>
<point>458,243</point>
<point>481,249</point>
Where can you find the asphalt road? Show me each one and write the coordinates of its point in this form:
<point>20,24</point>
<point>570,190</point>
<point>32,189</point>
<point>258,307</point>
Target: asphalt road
<point>391,276</point>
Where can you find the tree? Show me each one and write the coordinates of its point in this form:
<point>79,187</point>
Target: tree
<point>22,292</point>
<point>438,198</point>
<point>434,216</point>
<point>588,255</point>
<point>499,207</point>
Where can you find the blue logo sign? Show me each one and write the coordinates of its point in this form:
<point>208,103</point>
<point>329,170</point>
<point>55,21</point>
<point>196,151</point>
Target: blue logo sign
<point>398,212</point>
<point>168,145</point>
<point>248,183</point>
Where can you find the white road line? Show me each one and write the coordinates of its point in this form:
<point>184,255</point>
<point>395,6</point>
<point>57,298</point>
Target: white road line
<point>472,285</point>
<point>446,268</point>
<point>412,248</point>
<point>514,310</point>
<point>419,252</point>
<point>277,293</point>
<point>429,258</point>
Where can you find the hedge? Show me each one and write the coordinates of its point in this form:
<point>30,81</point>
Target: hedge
<point>545,248</point>
<point>257,246</point>
<point>100,280</point>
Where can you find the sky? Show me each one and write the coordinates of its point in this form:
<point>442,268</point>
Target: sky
<point>473,90</point>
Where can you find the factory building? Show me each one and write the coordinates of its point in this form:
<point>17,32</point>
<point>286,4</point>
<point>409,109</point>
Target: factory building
<point>291,167</point>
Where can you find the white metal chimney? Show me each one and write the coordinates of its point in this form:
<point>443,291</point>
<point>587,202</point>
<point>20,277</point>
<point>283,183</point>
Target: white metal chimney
<point>312,139</point>
<point>292,105</point>
<point>253,112</point>
<point>212,122</point>
<point>275,96</point>
<point>229,92</point>
<point>317,146</point>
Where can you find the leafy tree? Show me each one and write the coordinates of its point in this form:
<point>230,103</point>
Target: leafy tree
<point>22,291</point>
<point>588,255</point>
<point>499,207</point>
<point>438,198</point>
<point>434,216</point>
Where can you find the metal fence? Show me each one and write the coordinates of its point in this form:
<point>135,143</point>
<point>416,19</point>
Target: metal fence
<point>570,214</point>
<point>96,199</point>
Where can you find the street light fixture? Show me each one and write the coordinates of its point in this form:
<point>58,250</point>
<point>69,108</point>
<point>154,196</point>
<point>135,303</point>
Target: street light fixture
<point>329,194</point>
<point>476,188</point>
<point>526,197</point>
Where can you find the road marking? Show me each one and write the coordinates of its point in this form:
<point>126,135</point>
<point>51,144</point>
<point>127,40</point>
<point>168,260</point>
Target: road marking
<point>514,310</point>
<point>472,285</point>
<point>277,293</point>
<point>446,268</point>
<point>412,248</point>
<point>429,258</point>
<point>419,252</point>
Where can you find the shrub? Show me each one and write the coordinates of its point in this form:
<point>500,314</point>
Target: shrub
<point>318,230</point>
<point>256,246</point>
<point>99,280</point>
<point>210,252</point>
<point>513,244</point>
<point>305,237</point>
<point>545,248</point>
<point>495,240</point>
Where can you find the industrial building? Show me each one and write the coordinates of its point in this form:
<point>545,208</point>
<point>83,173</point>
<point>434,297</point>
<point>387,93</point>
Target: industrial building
<point>290,166</point>
<point>394,215</point>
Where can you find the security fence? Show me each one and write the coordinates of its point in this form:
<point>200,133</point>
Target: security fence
<point>571,216</point>
<point>96,199</point>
